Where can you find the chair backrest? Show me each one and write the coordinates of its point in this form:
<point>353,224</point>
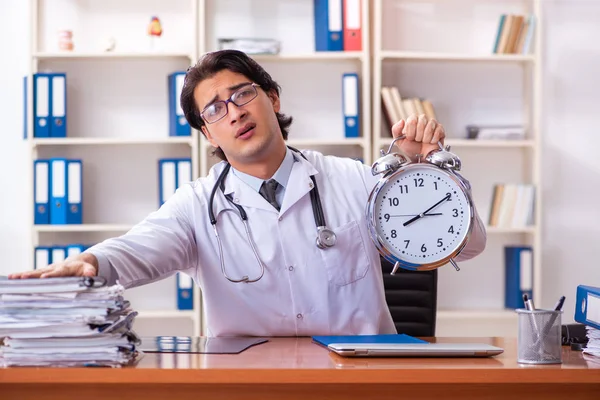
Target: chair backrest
<point>412,299</point>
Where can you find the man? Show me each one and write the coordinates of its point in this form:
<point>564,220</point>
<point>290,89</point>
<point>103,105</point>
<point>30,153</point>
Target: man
<point>268,278</point>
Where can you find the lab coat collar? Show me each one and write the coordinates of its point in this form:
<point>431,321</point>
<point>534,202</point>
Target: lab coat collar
<point>299,185</point>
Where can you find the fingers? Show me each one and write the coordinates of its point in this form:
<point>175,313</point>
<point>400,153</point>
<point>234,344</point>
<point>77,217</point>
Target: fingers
<point>421,125</point>
<point>397,128</point>
<point>30,274</point>
<point>439,134</point>
<point>410,128</point>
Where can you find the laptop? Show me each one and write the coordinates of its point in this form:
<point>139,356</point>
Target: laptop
<point>414,349</point>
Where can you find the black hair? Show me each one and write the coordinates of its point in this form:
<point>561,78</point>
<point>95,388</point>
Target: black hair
<point>235,61</point>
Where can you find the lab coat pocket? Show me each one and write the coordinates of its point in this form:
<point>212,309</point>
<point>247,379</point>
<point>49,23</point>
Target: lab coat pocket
<point>347,260</point>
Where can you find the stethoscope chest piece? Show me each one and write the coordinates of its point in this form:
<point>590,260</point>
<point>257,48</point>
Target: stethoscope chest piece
<point>325,237</point>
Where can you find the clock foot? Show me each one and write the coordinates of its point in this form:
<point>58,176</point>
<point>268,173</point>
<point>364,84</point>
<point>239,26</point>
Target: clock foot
<point>396,266</point>
<point>454,264</point>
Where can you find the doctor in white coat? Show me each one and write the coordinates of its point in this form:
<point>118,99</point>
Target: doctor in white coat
<point>285,285</point>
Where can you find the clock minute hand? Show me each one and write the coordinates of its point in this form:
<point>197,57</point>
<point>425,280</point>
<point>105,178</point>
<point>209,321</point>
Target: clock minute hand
<point>410,221</point>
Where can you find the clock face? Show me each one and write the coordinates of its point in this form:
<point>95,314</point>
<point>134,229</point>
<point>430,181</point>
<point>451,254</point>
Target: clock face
<point>422,215</point>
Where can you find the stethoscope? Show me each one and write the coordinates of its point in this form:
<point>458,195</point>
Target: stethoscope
<point>325,237</point>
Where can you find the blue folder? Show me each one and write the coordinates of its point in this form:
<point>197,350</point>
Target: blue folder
<point>390,338</point>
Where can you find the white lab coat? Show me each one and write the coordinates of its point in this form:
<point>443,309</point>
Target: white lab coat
<point>304,291</point>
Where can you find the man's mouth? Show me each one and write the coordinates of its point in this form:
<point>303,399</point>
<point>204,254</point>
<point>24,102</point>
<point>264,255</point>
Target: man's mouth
<point>246,131</point>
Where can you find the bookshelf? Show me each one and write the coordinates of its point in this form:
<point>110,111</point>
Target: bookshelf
<point>117,124</point>
<point>444,52</point>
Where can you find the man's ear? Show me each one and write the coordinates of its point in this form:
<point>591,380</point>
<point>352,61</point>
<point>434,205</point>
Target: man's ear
<point>208,136</point>
<point>274,100</point>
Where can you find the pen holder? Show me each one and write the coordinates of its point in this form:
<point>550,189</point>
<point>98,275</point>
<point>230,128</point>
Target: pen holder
<point>539,337</point>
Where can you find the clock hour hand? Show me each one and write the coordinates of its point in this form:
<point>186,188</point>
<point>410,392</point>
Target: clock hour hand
<point>410,221</point>
<point>412,215</point>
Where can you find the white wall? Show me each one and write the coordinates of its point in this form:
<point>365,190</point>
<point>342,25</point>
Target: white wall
<point>571,53</point>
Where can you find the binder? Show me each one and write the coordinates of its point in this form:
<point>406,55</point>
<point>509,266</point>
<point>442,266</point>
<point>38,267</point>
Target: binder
<point>184,172</point>
<point>58,191</point>
<point>59,254</point>
<point>42,257</point>
<point>74,249</point>
<point>518,261</point>
<point>352,26</point>
<point>58,107</point>
<point>328,25</point>
<point>41,105</point>
<point>587,306</point>
<point>167,179</point>
<point>185,292</point>
<point>350,104</point>
<point>178,125</point>
<point>74,213</point>
<point>41,192</point>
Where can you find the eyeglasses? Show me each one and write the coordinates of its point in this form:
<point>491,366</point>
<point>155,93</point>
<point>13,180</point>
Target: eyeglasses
<point>219,109</point>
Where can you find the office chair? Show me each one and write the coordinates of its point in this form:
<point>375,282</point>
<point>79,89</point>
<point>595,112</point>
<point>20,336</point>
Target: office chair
<point>411,297</point>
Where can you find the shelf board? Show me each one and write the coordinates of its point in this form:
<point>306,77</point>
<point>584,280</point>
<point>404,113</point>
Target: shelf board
<point>477,143</point>
<point>109,141</point>
<point>83,228</point>
<point>495,229</point>
<point>316,56</point>
<point>416,55</point>
<point>476,314</point>
<point>166,314</point>
<point>107,55</point>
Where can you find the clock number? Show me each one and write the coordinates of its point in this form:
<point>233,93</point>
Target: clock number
<point>449,196</point>
<point>403,189</point>
<point>418,182</point>
<point>394,201</point>
<point>407,243</point>
<point>435,184</point>
<point>387,217</point>
<point>394,235</point>
<point>423,248</point>
<point>439,242</point>
<point>454,212</point>
<point>451,230</point>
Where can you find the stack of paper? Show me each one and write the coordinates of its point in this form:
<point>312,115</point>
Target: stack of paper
<point>75,321</point>
<point>593,345</point>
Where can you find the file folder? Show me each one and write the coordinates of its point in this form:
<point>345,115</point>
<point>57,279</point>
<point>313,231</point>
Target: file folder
<point>167,179</point>
<point>42,257</point>
<point>184,172</point>
<point>41,105</point>
<point>328,25</point>
<point>75,192</point>
<point>350,104</point>
<point>58,191</point>
<point>587,306</point>
<point>178,125</point>
<point>58,108</point>
<point>74,249</point>
<point>352,26</point>
<point>518,275</point>
<point>59,254</point>
<point>41,192</point>
<point>185,292</point>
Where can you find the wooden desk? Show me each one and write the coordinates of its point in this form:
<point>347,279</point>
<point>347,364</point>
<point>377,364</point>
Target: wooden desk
<point>290,368</point>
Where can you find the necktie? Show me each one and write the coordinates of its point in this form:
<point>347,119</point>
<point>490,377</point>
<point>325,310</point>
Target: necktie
<point>267,190</point>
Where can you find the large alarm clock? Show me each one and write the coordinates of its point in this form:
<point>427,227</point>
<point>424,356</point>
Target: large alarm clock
<point>420,214</point>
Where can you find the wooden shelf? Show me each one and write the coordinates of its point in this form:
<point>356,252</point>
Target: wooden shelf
<point>83,228</point>
<point>416,55</point>
<point>316,56</point>
<point>109,141</point>
<point>107,55</point>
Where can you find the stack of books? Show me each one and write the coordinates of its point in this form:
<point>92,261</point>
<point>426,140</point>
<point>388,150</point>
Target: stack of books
<point>65,322</point>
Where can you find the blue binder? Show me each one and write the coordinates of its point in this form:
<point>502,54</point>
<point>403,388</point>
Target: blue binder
<point>59,254</point>
<point>58,104</point>
<point>42,257</point>
<point>389,338</point>
<point>172,173</point>
<point>74,191</point>
<point>41,105</point>
<point>178,125</point>
<point>74,249</point>
<point>58,191</point>
<point>518,262</point>
<point>185,292</point>
<point>350,105</point>
<point>328,25</point>
<point>587,306</point>
<point>41,192</point>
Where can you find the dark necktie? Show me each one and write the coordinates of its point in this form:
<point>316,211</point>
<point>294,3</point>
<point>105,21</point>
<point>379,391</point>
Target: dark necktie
<point>267,190</point>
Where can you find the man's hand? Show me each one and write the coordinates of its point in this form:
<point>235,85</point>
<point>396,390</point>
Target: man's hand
<point>84,264</point>
<point>421,136</point>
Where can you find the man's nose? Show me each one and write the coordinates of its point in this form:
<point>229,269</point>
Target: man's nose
<point>235,113</point>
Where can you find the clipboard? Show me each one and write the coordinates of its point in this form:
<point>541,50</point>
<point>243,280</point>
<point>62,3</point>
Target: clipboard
<point>198,344</point>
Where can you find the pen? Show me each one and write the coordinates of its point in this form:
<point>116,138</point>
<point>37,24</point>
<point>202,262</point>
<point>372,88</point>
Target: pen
<point>559,304</point>
<point>528,303</point>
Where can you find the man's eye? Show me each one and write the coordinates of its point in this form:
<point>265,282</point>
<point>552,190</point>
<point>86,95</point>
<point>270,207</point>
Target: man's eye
<point>213,110</point>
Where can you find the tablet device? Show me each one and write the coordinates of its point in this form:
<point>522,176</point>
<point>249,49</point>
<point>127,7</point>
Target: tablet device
<point>415,349</point>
